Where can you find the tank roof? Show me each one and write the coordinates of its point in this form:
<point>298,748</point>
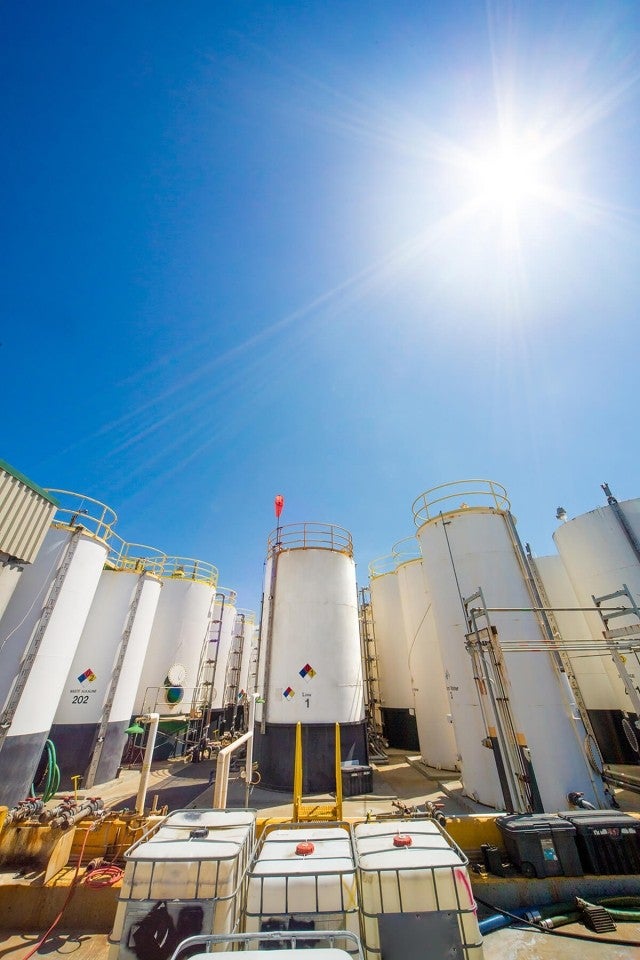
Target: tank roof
<point>27,482</point>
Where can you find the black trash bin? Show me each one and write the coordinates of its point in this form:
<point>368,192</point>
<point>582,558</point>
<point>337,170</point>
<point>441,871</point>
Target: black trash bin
<point>608,841</point>
<point>541,845</point>
<point>356,779</point>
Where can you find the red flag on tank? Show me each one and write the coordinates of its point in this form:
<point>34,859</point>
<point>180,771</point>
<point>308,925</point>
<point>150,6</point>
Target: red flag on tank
<point>278,504</point>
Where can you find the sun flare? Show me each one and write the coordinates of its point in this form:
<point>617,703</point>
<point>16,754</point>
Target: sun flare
<point>508,175</point>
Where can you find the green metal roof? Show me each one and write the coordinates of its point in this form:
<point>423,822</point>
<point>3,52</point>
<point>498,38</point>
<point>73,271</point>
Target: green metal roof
<point>28,483</point>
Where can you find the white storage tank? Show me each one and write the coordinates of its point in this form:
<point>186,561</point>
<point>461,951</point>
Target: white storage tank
<point>40,630</point>
<point>429,685</point>
<point>303,878</point>
<point>249,632</point>
<point>601,688</point>
<point>394,679</point>
<point>601,553</point>
<point>468,542</point>
<point>196,862</point>
<point>89,728</point>
<point>310,665</point>
<point>221,641</point>
<point>26,511</point>
<point>413,867</point>
<point>235,690</point>
<point>169,684</point>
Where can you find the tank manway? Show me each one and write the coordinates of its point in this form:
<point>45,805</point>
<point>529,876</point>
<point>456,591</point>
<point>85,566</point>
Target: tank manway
<point>310,668</point>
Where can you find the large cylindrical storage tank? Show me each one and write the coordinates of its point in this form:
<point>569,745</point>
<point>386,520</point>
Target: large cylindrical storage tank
<point>221,639</point>
<point>469,544</point>
<point>601,553</point>
<point>26,511</point>
<point>235,689</point>
<point>169,683</point>
<point>89,728</point>
<point>429,685</point>
<point>249,633</point>
<point>394,680</point>
<point>601,688</point>
<point>40,631</point>
<point>310,665</point>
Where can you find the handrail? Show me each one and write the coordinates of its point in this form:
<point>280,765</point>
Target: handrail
<point>311,535</point>
<point>289,937</point>
<point>223,763</point>
<point>186,568</point>
<point>229,595</point>
<point>382,566</point>
<point>489,492</point>
<point>135,557</point>
<point>406,549</point>
<point>76,509</point>
<point>249,615</point>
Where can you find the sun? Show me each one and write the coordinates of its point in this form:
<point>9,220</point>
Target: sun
<point>508,181</point>
<point>508,175</point>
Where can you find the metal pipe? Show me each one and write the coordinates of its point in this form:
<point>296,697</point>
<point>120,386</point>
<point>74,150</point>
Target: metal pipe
<point>153,719</point>
<point>551,609</point>
<point>249,761</point>
<point>222,770</point>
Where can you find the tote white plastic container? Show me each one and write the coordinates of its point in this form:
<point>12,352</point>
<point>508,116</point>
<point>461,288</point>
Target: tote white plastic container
<point>196,857</point>
<point>319,885</point>
<point>407,866</point>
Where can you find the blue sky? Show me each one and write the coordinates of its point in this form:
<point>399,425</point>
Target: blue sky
<point>251,248</point>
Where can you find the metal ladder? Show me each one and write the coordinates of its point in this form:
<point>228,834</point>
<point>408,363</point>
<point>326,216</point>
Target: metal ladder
<point>371,680</point>
<point>316,811</point>
<point>6,719</point>
<point>269,634</point>
<point>550,627</point>
<point>98,742</point>
<point>629,679</point>
<point>490,673</point>
<point>585,737</point>
<point>234,664</point>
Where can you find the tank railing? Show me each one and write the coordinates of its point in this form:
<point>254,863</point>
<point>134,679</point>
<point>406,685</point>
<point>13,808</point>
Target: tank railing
<point>288,937</point>
<point>382,565</point>
<point>230,596</point>
<point>249,615</point>
<point>77,510</point>
<point>406,549</point>
<point>482,493</point>
<point>187,568</point>
<point>136,557</point>
<point>155,701</point>
<point>310,535</point>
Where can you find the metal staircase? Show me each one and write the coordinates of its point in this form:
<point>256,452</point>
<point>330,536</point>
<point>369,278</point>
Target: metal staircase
<point>628,677</point>
<point>508,743</point>
<point>371,681</point>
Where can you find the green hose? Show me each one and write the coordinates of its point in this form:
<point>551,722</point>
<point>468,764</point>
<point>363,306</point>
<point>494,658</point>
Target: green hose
<point>52,774</point>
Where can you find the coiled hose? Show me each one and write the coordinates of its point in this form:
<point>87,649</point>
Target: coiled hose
<point>52,773</point>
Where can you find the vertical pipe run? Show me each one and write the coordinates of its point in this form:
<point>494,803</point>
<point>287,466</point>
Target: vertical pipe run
<point>154,720</point>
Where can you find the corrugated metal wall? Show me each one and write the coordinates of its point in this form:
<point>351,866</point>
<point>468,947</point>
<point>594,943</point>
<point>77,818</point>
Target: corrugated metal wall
<point>25,516</point>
